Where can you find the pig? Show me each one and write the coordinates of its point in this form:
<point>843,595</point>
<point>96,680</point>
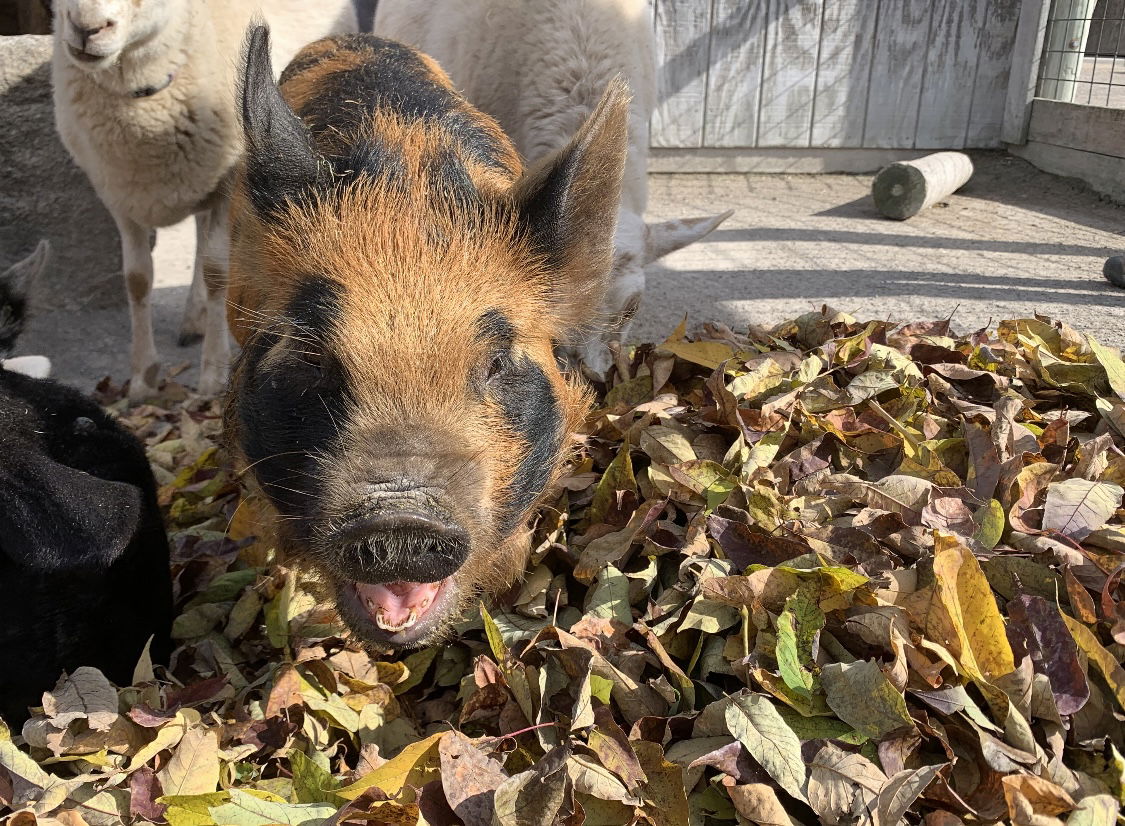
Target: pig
<point>84,576</point>
<point>537,66</point>
<point>398,285</point>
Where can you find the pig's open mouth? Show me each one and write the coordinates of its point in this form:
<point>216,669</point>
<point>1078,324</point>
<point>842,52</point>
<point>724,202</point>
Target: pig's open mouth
<point>399,614</point>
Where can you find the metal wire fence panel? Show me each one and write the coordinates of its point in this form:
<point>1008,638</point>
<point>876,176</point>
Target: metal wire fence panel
<point>1083,57</point>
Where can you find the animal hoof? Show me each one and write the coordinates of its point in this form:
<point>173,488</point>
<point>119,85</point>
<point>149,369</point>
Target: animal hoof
<point>212,382</point>
<point>141,392</point>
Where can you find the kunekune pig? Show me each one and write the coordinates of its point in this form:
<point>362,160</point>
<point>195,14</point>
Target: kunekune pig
<point>84,576</point>
<point>398,284</point>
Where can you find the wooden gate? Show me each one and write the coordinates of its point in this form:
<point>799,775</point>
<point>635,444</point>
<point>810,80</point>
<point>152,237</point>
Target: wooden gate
<point>833,74</point>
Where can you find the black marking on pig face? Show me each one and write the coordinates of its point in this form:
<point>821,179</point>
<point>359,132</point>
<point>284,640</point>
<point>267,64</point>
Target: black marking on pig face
<point>292,398</point>
<point>525,394</point>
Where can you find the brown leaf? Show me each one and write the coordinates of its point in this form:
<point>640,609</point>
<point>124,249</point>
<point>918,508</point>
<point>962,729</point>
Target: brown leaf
<point>84,695</point>
<point>840,782</point>
<point>286,691</point>
<point>1080,600</point>
<point>758,803</point>
<point>1055,653</point>
<point>470,779</point>
<point>1027,796</point>
<point>144,788</point>
<point>612,748</point>
<point>745,546</point>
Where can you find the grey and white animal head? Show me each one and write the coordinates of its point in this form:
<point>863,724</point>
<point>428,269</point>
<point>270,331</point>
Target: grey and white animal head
<point>15,288</point>
<point>95,32</point>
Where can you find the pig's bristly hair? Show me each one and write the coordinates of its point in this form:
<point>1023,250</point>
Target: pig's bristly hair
<point>407,216</point>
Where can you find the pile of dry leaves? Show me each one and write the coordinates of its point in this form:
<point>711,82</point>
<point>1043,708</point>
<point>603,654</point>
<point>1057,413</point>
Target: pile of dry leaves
<point>836,572</point>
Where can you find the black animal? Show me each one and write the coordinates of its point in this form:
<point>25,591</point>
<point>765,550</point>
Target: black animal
<point>84,576</point>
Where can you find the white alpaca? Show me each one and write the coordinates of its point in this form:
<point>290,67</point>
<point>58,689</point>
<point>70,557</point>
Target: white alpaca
<point>539,67</point>
<point>145,102</point>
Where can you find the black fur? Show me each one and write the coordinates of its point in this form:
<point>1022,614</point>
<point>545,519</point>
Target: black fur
<point>545,209</point>
<point>281,166</point>
<point>285,149</point>
<point>84,574</point>
<point>396,79</point>
<point>494,326</point>
<point>289,410</point>
<point>529,403</point>
<point>13,309</point>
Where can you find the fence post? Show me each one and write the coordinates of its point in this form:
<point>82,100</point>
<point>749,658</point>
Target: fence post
<point>1067,30</point>
<point>1024,75</point>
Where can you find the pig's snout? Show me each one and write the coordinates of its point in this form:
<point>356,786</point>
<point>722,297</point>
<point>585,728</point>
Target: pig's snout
<point>404,535</point>
<point>393,558</point>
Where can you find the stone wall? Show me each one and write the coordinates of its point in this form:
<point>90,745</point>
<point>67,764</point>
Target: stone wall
<point>44,195</point>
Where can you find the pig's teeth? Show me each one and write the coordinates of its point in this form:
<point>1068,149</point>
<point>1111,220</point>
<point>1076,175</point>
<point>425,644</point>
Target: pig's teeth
<point>370,604</point>
<point>381,621</point>
<point>425,604</point>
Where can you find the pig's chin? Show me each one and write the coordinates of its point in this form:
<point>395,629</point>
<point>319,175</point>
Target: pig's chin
<point>396,614</point>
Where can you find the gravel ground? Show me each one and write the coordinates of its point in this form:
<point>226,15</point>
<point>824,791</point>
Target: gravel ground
<point>1013,242</point>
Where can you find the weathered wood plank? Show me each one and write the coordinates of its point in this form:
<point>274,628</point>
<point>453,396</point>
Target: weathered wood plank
<point>897,72</point>
<point>993,74</point>
<point>789,82</point>
<point>1025,70</point>
<point>734,85</point>
<point>1078,126</point>
<point>847,36</point>
<point>946,102</point>
<point>683,33</point>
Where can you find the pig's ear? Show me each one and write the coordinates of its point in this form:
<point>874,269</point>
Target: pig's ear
<point>56,518</point>
<point>281,164</point>
<point>669,236</point>
<point>19,277</point>
<point>569,205</point>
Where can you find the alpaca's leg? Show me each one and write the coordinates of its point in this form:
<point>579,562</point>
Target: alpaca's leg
<point>215,367</point>
<point>136,257</point>
<point>195,312</point>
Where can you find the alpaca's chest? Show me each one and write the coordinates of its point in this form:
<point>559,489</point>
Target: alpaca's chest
<point>154,159</point>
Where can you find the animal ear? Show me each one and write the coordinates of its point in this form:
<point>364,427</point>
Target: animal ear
<point>281,164</point>
<point>669,236</point>
<point>56,518</point>
<point>569,205</point>
<point>19,277</point>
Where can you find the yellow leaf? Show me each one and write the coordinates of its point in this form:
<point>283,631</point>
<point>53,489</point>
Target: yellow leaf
<point>964,592</point>
<point>495,638</point>
<point>1107,664</point>
<point>1114,366</point>
<point>415,766</point>
<point>705,353</point>
<point>167,736</point>
<point>194,767</point>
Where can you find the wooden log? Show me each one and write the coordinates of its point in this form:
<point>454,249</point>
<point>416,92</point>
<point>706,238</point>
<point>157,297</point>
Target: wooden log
<point>1114,271</point>
<point>904,189</point>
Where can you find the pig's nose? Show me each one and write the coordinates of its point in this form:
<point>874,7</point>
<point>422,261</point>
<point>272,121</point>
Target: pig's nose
<point>414,521</point>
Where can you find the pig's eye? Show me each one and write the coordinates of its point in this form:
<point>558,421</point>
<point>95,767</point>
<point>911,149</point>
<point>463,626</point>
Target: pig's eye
<point>315,364</point>
<point>496,365</point>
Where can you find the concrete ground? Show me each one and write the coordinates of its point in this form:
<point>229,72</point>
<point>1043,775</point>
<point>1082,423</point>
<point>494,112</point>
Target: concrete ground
<point>1013,242</point>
